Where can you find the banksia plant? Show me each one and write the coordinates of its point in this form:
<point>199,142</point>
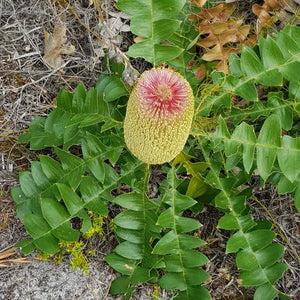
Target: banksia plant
<point>159,116</point>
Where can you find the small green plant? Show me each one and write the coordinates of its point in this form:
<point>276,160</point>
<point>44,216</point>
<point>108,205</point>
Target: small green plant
<point>78,260</point>
<point>235,132</point>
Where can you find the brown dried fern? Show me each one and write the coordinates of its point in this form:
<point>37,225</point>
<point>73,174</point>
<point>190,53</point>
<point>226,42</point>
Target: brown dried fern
<point>265,13</point>
<point>221,33</point>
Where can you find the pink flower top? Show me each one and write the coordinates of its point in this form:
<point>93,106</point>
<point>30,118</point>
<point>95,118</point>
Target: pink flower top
<point>162,94</point>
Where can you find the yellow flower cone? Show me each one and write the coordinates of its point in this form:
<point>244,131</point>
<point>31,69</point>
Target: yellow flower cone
<point>159,116</point>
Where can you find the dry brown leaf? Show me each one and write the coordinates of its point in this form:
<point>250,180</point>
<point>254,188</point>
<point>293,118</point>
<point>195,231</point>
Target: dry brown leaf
<point>199,3</point>
<point>264,12</point>
<point>220,54</point>
<point>219,12</point>
<point>263,16</point>
<point>273,4</point>
<point>251,40</point>
<point>200,72</point>
<point>221,32</point>
<point>56,45</point>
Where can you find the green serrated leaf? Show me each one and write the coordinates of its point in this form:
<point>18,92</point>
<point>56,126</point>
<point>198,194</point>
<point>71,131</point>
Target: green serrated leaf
<point>71,199</point>
<point>55,125</point>
<point>257,239</point>
<point>74,203</point>
<point>287,45</point>
<point>153,20</point>
<point>171,281</point>
<point>51,168</point>
<point>166,52</point>
<point>250,63</point>
<point>58,218</point>
<point>181,224</point>
<point>28,194</point>
<point>186,259</point>
<point>134,202</point>
<point>284,112</point>
<point>288,157</point>
<point>259,276</point>
<point>247,260</point>
<point>167,244</point>
<point>285,186</point>
<point>290,71</point>
<point>120,264</point>
<point>246,134</point>
<point>73,165</point>
<point>64,100</point>
<point>129,250</point>
<point>234,64</point>
<point>270,78</point>
<point>26,246</point>
<point>130,219</point>
<point>28,186</point>
<point>140,275</point>
<point>182,201</point>
<point>186,224</point>
<point>141,25</point>
<point>114,89</point>
<point>196,276</point>
<point>247,90</point>
<point>195,292</point>
<point>265,291</point>
<point>121,286</point>
<point>78,98</point>
<point>37,136</point>
<point>22,202</point>
<point>133,236</point>
<point>38,228</point>
<point>39,176</point>
<point>269,255</point>
<point>229,222</point>
<point>90,195</point>
<point>268,142</point>
<point>270,53</point>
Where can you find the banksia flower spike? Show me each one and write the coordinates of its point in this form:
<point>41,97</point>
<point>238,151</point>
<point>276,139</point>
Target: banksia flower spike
<point>159,116</point>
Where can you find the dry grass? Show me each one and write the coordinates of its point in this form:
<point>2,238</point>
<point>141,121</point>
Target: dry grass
<point>28,88</point>
<point>7,257</point>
